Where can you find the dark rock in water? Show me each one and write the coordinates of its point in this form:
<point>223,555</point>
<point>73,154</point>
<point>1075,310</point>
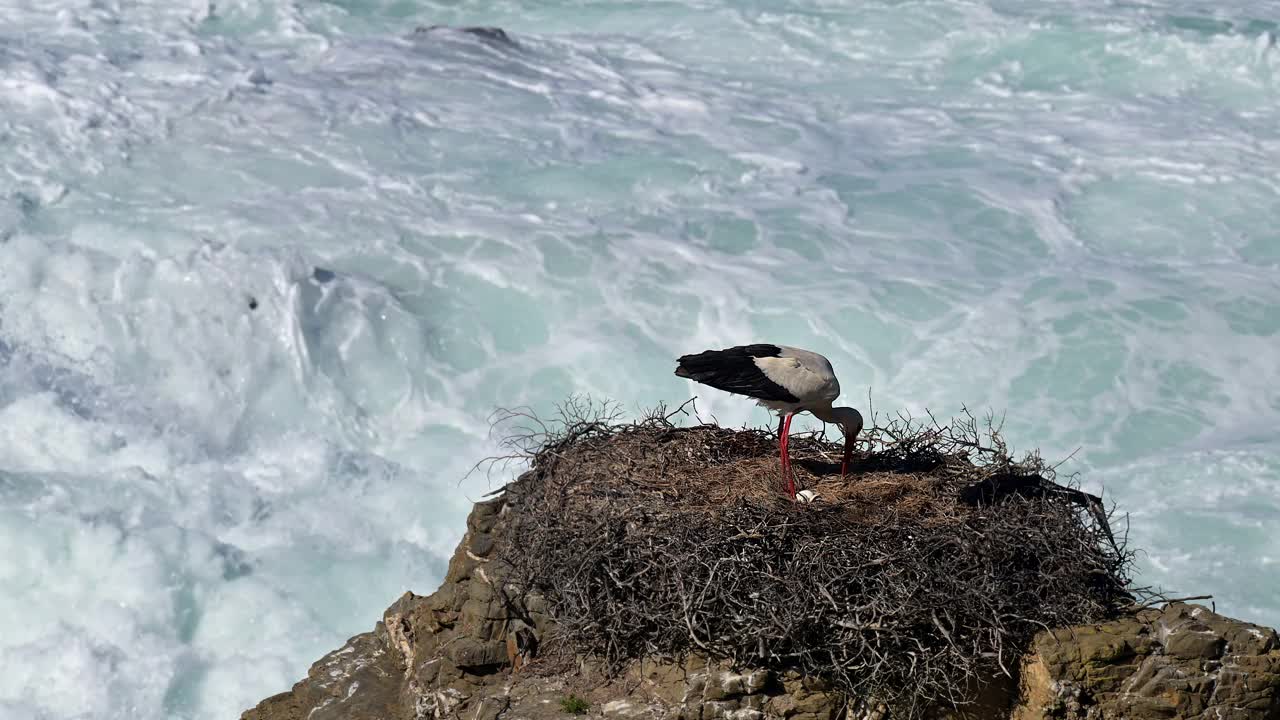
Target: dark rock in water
<point>258,77</point>
<point>253,303</point>
<point>321,275</point>
<point>28,204</point>
<point>495,34</point>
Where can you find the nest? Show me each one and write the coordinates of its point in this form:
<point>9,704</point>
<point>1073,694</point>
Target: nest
<point>911,582</point>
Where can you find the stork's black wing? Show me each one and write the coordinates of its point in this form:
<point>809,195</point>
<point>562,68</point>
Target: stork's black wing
<point>734,370</point>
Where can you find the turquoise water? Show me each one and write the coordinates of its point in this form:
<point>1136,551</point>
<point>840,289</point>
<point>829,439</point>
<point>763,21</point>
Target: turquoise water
<point>1059,211</point>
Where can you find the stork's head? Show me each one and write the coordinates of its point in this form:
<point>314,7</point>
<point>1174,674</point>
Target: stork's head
<point>850,421</point>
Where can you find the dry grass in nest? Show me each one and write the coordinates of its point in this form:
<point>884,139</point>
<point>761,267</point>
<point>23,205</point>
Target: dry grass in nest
<point>920,576</point>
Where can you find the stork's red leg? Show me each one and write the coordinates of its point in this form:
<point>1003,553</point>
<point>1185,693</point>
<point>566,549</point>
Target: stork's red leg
<point>786,458</point>
<point>782,448</point>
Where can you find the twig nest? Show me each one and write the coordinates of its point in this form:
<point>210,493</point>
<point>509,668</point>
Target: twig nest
<point>928,572</point>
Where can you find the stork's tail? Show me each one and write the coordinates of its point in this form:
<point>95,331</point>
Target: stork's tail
<point>710,364</point>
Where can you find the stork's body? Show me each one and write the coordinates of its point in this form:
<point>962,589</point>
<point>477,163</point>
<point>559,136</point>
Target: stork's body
<point>784,379</point>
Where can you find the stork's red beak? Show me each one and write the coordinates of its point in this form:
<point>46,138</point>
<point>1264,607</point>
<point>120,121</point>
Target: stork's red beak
<point>849,437</point>
<point>848,451</point>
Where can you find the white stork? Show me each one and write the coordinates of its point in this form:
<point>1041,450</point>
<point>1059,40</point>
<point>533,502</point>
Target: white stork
<point>784,379</point>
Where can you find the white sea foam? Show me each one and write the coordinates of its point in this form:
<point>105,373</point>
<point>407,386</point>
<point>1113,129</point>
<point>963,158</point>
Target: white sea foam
<point>1064,213</point>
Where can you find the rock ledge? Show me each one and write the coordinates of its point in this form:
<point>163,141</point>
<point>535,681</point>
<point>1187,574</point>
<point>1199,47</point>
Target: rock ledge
<point>461,653</point>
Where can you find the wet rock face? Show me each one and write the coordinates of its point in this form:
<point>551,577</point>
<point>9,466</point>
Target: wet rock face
<point>359,680</point>
<point>429,657</point>
<point>461,653</point>
<point>1180,662</point>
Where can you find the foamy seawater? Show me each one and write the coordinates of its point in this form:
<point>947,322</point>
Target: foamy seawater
<point>267,267</point>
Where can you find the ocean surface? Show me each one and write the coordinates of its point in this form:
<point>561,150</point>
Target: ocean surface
<point>268,266</point>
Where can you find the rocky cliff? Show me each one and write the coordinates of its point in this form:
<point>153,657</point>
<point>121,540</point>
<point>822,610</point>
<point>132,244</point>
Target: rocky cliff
<point>464,652</point>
